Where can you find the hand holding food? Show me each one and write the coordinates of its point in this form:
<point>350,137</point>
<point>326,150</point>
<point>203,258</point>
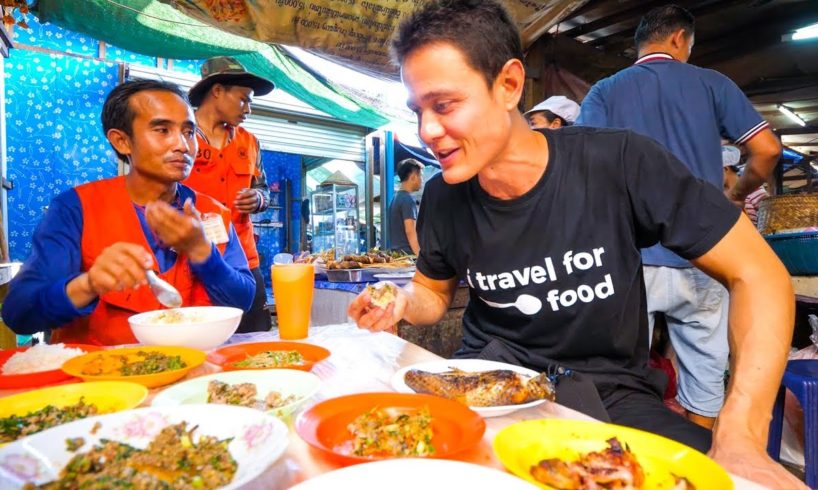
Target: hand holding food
<point>182,231</point>
<point>378,307</point>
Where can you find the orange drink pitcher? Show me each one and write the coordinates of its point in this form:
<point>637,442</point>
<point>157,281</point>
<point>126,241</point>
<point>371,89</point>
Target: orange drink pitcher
<point>293,285</point>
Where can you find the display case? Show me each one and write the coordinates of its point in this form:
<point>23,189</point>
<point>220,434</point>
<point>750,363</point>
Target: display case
<point>334,218</point>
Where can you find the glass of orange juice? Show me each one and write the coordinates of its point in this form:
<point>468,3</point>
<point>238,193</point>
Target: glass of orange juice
<point>293,285</point>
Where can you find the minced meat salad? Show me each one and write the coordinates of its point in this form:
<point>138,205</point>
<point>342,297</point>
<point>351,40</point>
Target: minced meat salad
<point>171,461</point>
<point>14,427</point>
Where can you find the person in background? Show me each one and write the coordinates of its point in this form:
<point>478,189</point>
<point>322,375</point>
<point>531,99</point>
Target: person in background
<point>553,113</point>
<point>731,156</point>
<point>686,109</point>
<point>228,163</point>
<point>403,212</point>
<point>86,272</point>
<point>545,227</point>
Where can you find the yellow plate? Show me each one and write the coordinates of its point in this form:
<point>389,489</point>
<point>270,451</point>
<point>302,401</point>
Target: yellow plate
<point>107,396</point>
<point>524,444</point>
<point>191,357</point>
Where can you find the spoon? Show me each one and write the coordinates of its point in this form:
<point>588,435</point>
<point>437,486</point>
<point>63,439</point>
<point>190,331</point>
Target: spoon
<point>527,304</point>
<point>164,292</point>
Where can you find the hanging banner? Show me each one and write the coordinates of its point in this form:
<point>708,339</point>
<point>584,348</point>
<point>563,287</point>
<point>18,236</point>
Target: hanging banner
<point>356,30</point>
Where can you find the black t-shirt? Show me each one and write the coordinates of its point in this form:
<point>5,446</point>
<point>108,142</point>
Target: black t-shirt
<point>403,207</point>
<point>564,258</point>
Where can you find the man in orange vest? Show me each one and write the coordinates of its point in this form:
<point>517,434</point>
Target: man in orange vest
<point>86,272</point>
<point>228,163</point>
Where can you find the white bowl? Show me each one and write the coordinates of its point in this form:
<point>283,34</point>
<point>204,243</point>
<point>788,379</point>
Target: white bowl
<point>213,325</point>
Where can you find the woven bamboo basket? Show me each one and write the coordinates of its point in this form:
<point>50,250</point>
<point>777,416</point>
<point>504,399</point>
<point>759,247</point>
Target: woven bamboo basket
<point>787,212</point>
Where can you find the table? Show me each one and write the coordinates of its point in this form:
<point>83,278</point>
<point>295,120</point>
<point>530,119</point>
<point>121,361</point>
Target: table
<point>364,362</point>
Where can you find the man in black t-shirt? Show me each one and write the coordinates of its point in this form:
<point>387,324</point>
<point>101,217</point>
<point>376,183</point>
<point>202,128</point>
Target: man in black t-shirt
<point>546,226</point>
<point>403,212</point>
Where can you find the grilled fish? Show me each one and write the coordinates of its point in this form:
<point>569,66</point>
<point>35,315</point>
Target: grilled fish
<point>482,389</point>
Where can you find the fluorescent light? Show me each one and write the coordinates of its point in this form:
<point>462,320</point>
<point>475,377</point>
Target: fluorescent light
<point>789,113</point>
<point>807,32</point>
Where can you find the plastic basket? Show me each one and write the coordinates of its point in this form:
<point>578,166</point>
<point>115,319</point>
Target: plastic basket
<point>798,251</point>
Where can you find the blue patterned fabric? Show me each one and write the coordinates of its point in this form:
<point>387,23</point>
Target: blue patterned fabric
<point>193,67</point>
<point>278,166</point>
<point>49,36</point>
<point>54,134</point>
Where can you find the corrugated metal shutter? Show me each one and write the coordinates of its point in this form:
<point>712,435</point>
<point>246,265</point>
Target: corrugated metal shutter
<point>283,123</point>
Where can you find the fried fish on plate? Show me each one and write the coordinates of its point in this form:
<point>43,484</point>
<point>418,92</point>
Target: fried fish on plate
<point>482,389</point>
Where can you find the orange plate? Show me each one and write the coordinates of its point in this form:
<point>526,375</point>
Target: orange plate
<point>455,427</point>
<point>226,356</point>
<point>191,357</point>
<point>16,381</point>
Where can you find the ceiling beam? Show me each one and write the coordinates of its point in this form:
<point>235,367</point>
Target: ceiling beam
<point>766,86</point>
<point>753,37</point>
<point>620,41</point>
<point>548,18</point>
<point>615,18</point>
<point>799,130</point>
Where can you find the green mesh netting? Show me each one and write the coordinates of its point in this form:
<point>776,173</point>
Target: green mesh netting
<point>155,29</point>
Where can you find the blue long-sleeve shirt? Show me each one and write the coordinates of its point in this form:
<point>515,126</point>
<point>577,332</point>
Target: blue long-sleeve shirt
<point>37,298</point>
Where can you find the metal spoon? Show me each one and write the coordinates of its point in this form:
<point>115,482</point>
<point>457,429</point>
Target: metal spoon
<point>527,304</point>
<point>164,292</point>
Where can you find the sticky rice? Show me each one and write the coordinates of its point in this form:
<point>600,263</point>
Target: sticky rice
<point>41,357</point>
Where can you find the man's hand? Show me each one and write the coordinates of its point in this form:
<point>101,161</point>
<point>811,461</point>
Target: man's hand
<point>374,318</point>
<point>182,231</point>
<point>247,200</point>
<point>120,266</point>
<point>747,460</point>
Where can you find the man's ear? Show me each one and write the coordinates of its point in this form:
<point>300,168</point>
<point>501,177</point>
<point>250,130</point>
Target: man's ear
<point>511,81</point>
<point>679,39</point>
<point>120,141</point>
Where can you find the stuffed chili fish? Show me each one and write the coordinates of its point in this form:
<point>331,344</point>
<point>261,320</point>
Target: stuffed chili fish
<point>482,389</point>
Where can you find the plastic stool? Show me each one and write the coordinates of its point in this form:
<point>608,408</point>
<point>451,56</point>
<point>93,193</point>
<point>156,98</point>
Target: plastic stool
<point>800,377</point>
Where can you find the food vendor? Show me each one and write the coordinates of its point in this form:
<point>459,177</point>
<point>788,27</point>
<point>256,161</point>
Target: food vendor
<point>228,162</point>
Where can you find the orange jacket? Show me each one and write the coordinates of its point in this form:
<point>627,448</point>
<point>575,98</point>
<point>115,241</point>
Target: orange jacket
<point>221,173</point>
<point>117,221</point>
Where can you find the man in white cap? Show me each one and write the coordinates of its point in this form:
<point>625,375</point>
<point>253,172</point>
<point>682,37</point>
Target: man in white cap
<point>553,113</point>
<point>730,157</point>
<point>228,163</point>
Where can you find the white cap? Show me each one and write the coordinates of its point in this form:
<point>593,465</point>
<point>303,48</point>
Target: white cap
<point>559,105</point>
<point>730,155</point>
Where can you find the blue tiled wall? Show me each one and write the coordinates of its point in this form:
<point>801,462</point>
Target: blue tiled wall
<point>53,132</point>
<point>279,166</point>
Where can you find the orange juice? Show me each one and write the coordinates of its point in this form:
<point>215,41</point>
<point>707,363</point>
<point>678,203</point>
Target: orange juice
<point>292,288</point>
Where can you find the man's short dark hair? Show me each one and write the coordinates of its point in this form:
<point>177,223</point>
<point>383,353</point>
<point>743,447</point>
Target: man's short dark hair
<point>482,29</point>
<point>407,167</point>
<point>117,112</point>
<point>550,117</point>
<point>661,22</point>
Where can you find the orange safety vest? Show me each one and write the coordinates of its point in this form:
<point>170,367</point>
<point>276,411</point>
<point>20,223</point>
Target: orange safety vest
<point>221,173</point>
<point>108,217</point>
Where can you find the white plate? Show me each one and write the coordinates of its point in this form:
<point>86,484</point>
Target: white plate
<point>259,440</point>
<point>413,474</point>
<point>285,381</point>
<point>471,365</point>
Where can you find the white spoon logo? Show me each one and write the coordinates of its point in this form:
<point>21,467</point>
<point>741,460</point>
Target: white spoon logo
<point>527,304</point>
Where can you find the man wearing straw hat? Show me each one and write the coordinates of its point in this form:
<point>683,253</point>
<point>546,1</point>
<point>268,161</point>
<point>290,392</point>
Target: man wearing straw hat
<point>228,163</point>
